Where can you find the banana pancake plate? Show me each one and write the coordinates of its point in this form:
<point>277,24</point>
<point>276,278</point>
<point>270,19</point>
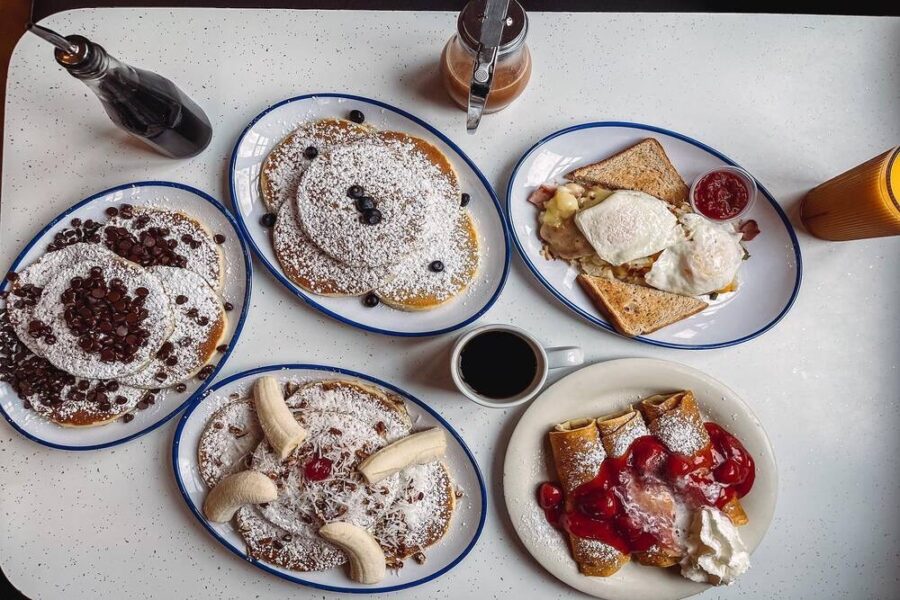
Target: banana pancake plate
<point>236,273</point>
<point>465,526</point>
<point>273,124</point>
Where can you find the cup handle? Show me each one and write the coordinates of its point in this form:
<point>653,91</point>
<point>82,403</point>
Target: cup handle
<point>564,356</point>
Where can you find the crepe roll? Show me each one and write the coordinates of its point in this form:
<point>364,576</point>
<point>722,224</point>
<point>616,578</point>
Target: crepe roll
<point>617,433</point>
<point>675,420</point>
<point>577,454</point>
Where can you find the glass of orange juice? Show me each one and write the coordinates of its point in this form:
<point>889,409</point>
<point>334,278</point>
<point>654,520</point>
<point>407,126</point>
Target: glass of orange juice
<point>864,202</point>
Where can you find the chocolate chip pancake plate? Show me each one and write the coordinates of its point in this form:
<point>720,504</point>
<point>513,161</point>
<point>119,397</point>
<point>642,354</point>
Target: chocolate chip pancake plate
<point>219,414</point>
<point>106,317</point>
<point>312,274</point>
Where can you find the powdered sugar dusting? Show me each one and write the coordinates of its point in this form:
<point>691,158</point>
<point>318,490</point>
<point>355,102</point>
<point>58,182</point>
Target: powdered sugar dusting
<point>39,274</point>
<point>286,163</point>
<point>618,444</point>
<point>679,433</point>
<point>455,245</point>
<point>66,354</point>
<point>199,325</point>
<point>311,268</point>
<point>203,256</point>
<point>409,190</point>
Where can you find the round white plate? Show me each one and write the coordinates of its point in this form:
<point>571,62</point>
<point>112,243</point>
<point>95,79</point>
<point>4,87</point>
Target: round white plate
<point>465,527</point>
<point>770,279</point>
<point>601,389</point>
<point>236,290</point>
<point>274,123</point>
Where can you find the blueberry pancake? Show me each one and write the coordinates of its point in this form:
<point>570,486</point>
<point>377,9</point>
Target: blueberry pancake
<point>314,270</point>
<point>368,204</point>
<point>284,166</point>
<point>437,273</point>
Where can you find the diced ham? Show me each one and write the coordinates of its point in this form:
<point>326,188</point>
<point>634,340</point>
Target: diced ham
<point>541,194</point>
<point>750,229</point>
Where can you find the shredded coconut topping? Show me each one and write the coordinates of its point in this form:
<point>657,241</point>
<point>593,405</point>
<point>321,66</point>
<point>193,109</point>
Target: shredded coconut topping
<point>345,422</point>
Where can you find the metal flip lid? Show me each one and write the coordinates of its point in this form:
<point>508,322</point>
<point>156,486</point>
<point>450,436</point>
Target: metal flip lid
<point>473,16</point>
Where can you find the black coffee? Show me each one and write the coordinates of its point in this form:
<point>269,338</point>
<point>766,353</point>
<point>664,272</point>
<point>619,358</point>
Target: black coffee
<point>498,364</point>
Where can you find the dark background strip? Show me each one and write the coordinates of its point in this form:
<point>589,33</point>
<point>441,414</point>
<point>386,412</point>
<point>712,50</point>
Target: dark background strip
<point>43,8</point>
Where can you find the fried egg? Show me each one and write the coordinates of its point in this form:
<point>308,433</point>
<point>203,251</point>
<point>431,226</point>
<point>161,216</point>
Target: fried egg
<point>705,261</point>
<point>628,225</point>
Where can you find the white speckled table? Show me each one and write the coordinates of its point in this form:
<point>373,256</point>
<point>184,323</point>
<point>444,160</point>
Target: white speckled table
<point>793,99</point>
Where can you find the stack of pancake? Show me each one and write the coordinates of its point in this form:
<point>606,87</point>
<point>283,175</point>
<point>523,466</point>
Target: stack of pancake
<point>407,512</point>
<point>369,213</point>
<point>113,315</point>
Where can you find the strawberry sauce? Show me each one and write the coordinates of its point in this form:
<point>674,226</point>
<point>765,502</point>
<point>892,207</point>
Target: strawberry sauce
<point>630,504</point>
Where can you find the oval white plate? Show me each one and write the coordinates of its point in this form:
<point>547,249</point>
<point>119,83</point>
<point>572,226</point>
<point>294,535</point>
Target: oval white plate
<point>236,290</point>
<point>465,527</point>
<point>270,127</point>
<point>770,279</point>
<point>601,389</point>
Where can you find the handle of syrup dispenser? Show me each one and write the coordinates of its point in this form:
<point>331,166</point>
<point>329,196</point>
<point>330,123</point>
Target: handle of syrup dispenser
<point>493,20</point>
<point>482,76</point>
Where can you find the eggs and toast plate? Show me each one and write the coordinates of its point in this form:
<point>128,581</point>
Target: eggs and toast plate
<point>656,167</point>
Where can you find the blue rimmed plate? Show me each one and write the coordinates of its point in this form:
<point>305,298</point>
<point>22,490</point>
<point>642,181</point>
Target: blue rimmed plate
<point>274,123</point>
<point>465,527</point>
<point>236,290</point>
<point>770,279</point>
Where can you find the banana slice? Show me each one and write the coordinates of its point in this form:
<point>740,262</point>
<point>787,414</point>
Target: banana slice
<point>416,449</point>
<point>236,490</point>
<point>282,431</point>
<point>367,564</point>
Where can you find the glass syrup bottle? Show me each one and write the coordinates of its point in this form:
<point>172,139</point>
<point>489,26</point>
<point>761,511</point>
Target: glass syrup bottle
<point>146,105</point>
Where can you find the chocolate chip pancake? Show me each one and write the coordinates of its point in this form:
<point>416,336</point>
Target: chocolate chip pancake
<point>284,166</point>
<point>30,282</point>
<point>101,319</point>
<point>155,236</point>
<point>200,322</point>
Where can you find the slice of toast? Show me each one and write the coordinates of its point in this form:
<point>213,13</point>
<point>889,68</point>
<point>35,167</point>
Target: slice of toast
<point>643,167</point>
<point>636,309</point>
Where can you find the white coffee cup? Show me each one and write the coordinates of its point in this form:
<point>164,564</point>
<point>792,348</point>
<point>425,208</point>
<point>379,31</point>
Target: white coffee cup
<point>546,358</point>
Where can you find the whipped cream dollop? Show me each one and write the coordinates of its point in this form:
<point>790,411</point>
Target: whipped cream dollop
<point>714,550</point>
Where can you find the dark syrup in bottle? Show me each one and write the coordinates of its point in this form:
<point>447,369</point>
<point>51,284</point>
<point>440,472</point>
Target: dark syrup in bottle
<point>144,104</point>
<point>498,364</point>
